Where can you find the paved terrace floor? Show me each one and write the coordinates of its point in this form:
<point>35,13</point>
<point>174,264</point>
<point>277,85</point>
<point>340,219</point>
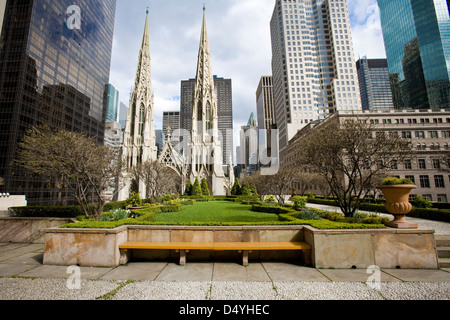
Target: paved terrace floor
<point>24,277</point>
<point>21,270</point>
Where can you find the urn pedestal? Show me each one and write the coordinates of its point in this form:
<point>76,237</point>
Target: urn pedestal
<point>397,204</point>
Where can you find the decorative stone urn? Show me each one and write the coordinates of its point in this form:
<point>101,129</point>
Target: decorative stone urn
<point>397,204</point>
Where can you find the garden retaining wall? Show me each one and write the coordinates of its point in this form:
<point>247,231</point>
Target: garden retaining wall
<point>385,248</point>
<point>27,230</point>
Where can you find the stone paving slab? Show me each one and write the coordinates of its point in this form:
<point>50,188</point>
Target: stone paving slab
<point>289,272</point>
<point>254,272</point>
<point>136,271</point>
<point>9,270</point>
<point>354,275</point>
<point>58,272</point>
<point>419,275</point>
<point>26,261</point>
<point>190,272</point>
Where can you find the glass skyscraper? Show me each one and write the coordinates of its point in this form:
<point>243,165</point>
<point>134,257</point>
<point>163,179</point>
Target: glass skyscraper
<point>313,64</point>
<point>54,70</point>
<point>224,111</point>
<point>374,84</point>
<point>112,108</point>
<point>417,40</point>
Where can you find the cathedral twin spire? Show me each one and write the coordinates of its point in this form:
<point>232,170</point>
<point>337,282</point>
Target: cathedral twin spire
<point>139,138</point>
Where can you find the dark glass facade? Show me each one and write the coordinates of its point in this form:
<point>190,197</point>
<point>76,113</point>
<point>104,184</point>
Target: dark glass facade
<point>54,71</point>
<point>374,84</point>
<point>417,40</point>
<point>224,111</point>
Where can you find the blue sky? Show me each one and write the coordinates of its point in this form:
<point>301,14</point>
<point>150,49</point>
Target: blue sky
<point>239,36</point>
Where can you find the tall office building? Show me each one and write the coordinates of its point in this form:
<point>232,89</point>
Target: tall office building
<point>2,13</point>
<point>171,119</point>
<point>313,65</point>
<point>224,111</point>
<point>112,104</point>
<point>374,84</point>
<point>123,113</point>
<point>417,36</point>
<point>248,151</point>
<point>265,113</point>
<point>54,67</point>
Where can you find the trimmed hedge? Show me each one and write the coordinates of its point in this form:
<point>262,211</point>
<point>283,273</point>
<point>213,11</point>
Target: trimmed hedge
<point>327,224</point>
<point>46,212</point>
<point>173,207</point>
<point>422,213</point>
<point>270,209</point>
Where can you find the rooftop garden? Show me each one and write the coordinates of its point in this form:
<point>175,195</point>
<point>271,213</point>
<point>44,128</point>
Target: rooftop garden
<point>226,211</point>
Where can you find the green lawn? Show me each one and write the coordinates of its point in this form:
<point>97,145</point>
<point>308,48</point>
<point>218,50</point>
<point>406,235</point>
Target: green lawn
<point>221,213</point>
<point>216,212</point>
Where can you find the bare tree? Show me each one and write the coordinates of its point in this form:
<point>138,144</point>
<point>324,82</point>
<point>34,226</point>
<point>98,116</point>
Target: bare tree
<point>73,160</point>
<point>279,185</point>
<point>282,183</point>
<point>350,156</point>
<point>158,179</point>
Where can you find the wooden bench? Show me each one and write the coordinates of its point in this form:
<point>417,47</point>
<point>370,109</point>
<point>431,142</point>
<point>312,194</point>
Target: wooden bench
<point>242,247</point>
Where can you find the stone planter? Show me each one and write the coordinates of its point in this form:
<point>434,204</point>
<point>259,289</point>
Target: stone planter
<point>397,204</point>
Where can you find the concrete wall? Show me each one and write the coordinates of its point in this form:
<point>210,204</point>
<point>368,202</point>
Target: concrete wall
<point>9,202</point>
<point>387,248</point>
<point>84,247</point>
<point>27,230</point>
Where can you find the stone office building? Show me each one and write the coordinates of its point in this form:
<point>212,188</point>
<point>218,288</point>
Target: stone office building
<point>429,132</point>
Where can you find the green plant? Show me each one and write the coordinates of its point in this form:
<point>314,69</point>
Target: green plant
<point>134,200</point>
<point>196,189</point>
<point>332,215</point>
<point>167,197</point>
<point>420,202</point>
<point>391,181</point>
<point>308,214</point>
<point>205,188</point>
<point>120,214</point>
<point>116,215</point>
<point>299,202</point>
<point>236,190</point>
<point>188,190</point>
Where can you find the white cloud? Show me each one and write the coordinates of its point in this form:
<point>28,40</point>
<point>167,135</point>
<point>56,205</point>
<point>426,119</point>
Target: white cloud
<point>239,35</point>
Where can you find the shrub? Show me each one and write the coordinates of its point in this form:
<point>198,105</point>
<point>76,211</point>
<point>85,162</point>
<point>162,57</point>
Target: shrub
<point>236,190</point>
<point>46,212</point>
<point>374,219</point>
<point>134,200</point>
<point>188,202</point>
<point>395,181</point>
<point>189,186</point>
<point>148,217</point>
<point>270,209</point>
<point>420,202</point>
<point>172,207</point>
<point>196,189</point>
<point>308,214</point>
<point>110,206</point>
<point>116,215</point>
<point>299,202</point>
<point>205,188</point>
<point>167,197</point>
<point>332,215</point>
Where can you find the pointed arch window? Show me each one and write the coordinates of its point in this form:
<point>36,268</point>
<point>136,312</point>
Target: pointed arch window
<point>208,117</point>
<point>141,120</point>
<point>200,118</point>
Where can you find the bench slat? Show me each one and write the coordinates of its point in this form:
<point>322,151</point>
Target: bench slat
<point>217,246</point>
